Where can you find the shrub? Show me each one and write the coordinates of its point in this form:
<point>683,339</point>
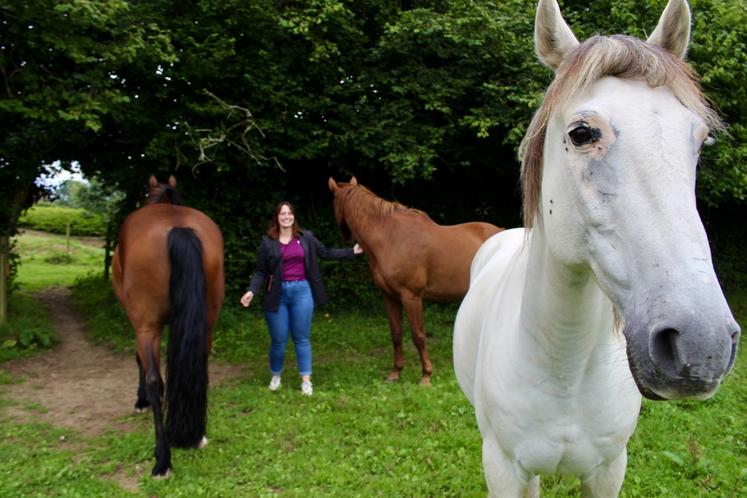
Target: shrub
<point>28,328</point>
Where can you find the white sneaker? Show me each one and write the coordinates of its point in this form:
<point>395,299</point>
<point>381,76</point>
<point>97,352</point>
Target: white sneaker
<point>306,388</point>
<point>274,383</point>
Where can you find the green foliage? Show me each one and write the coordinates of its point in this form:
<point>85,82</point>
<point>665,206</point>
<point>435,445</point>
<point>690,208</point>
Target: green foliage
<point>62,87</point>
<point>719,53</point>
<point>262,101</point>
<point>55,219</point>
<point>28,329</point>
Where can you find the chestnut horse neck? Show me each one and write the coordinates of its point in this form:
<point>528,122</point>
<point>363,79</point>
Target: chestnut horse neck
<point>357,208</point>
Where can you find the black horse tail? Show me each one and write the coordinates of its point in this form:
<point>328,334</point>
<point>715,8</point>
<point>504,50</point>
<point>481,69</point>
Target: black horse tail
<point>187,373</point>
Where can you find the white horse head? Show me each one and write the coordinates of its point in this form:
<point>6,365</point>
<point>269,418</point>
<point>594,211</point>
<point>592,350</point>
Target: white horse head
<point>609,169</point>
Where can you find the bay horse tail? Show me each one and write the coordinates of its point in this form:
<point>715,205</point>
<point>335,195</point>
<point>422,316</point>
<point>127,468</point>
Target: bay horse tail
<point>187,373</point>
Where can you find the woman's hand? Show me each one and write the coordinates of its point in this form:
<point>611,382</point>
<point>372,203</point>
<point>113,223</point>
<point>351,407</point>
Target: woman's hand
<point>246,299</point>
<point>357,249</point>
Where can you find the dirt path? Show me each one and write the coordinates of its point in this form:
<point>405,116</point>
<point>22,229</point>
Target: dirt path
<point>80,385</point>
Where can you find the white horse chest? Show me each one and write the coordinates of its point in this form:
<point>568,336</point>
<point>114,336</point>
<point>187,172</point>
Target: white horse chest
<point>548,423</point>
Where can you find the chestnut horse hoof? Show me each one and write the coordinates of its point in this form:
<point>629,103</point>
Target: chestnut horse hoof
<point>392,377</point>
<point>425,381</point>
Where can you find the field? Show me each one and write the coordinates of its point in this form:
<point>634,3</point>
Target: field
<point>357,436</point>
<point>49,259</point>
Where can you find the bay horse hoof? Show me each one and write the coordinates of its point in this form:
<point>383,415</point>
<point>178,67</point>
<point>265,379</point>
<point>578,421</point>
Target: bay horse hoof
<point>426,381</point>
<point>203,442</point>
<point>160,475</point>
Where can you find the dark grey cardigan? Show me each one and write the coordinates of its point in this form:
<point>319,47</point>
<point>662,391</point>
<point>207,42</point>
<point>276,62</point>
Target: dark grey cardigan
<point>269,271</point>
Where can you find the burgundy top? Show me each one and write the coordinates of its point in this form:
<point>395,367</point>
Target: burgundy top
<point>294,267</point>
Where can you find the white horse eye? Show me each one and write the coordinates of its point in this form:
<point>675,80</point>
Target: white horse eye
<point>582,135</point>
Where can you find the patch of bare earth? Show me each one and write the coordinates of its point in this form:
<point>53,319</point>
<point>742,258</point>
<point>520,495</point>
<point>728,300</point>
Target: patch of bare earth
<point>83,386</point>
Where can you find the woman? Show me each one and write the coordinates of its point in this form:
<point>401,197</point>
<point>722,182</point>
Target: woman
<point>288,268</point>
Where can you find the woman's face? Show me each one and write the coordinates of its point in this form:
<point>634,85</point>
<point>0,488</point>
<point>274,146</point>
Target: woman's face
<point>286,219</point>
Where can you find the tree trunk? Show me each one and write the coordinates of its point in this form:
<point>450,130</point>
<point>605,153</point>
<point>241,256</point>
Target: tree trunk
<point>4,275</point>
<point>108,243</point>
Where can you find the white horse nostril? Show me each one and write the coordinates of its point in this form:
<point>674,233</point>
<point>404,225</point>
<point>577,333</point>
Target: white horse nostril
<point>664,352</point>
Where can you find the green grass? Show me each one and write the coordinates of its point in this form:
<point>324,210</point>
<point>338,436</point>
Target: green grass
<point>48,259</point>
<point>357,436</point>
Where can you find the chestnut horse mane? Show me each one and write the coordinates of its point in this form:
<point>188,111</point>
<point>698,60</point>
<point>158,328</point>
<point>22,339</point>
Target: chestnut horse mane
<point>360,203</point>
<point>620,56</point>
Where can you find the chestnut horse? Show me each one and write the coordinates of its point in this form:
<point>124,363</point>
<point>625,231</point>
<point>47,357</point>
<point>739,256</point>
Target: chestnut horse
<point>411,259</point>
<point>168,268</point>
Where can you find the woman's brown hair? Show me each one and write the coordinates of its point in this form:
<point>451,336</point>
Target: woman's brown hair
<point>274,230</point>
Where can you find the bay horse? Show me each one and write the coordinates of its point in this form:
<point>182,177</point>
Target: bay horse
<point>411,259</point>
<point>168,268</point>
<point>609,292</point>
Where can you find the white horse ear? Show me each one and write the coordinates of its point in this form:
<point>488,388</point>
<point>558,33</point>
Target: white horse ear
<point>552,36</point>
<point>673,31</point>
<point>332,184</point>
<point>353,181</point>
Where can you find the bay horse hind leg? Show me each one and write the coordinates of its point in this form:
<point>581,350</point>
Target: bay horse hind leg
<point>414,308</point>
<point>142,403</point>
<point>394,313</point>
<point>148,351</point>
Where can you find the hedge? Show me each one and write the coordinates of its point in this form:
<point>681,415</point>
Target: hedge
<point>54,219</point>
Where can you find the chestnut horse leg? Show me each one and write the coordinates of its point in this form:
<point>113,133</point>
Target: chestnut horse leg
<point>394,312</point>
<point>414,308</point>
<point>142,403</point>
<point>148,346</point>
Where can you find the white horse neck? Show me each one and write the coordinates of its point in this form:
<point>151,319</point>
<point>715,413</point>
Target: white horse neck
<point>565,319</point>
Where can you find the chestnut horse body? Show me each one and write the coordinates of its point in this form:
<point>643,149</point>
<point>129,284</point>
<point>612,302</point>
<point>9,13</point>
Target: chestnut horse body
<point>168,268</point>
<point>411,258</point>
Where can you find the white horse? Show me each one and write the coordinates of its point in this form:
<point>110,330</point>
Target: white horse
<point>608,175</point>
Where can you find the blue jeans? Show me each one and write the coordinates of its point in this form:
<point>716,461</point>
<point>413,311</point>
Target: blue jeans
<point>294,317</point>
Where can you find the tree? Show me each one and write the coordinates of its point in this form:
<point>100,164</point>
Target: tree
<point>249,103</point>
<point>58,68</point>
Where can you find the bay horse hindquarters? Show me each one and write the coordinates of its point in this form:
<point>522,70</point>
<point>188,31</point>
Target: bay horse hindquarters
<point>168,268</point>
<point>411,259</point>
<point>608,175</point>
